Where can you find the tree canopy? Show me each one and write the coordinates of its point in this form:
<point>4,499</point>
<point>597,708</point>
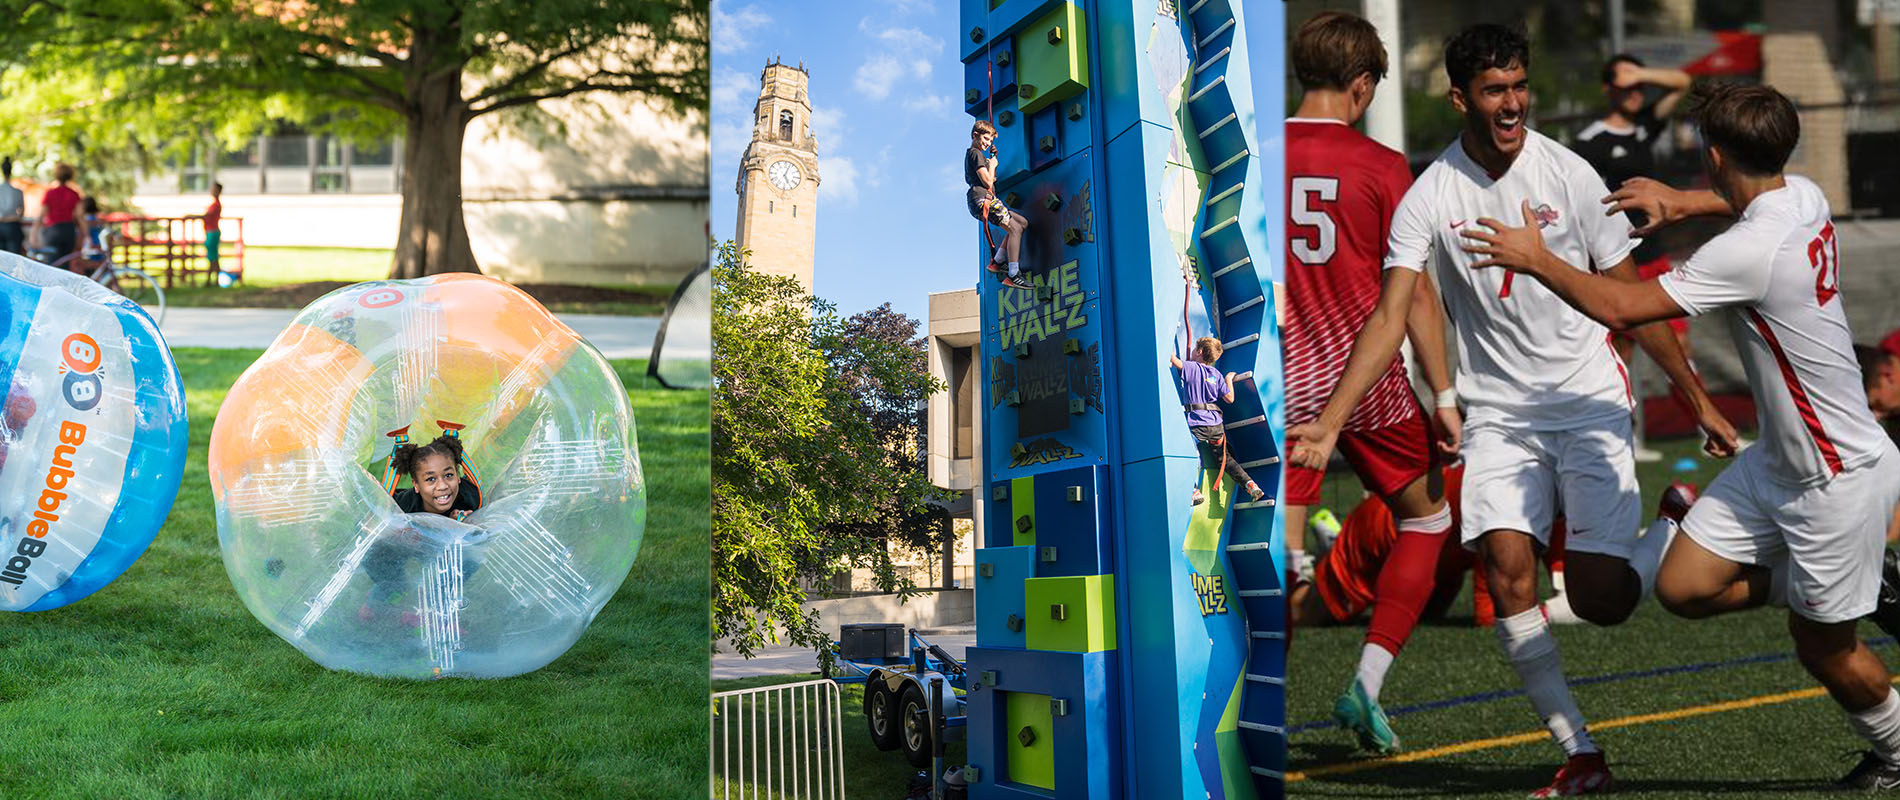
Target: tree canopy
<point>159,77</point>
<point>815,451</point>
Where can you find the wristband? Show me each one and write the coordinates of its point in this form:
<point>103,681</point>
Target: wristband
<point>1446,398</point>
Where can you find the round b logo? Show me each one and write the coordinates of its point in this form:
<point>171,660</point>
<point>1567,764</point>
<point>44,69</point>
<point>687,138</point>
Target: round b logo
<point>380,298</point>
<point>81,352</point>
<point>81,390</point>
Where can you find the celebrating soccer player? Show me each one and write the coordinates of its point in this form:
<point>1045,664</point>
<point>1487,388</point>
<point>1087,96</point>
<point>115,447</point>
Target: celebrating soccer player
<point>1547,403</point>
<point>1799,519</point>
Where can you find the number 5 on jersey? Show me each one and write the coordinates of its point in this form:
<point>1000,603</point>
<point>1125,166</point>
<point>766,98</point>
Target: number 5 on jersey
<point>1317,247</point>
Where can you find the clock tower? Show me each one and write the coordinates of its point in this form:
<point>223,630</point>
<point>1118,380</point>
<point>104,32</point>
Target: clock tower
<point>778,177</point>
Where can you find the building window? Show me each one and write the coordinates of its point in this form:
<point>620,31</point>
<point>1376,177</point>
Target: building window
<point>768,206</point>
<point>794,212</point>
<point>785,125</point>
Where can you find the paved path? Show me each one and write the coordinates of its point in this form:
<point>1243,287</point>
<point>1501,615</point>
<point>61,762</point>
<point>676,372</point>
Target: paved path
<point>232,328</point>
<point>794,660</point>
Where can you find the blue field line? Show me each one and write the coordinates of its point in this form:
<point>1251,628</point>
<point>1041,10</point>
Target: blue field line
<point>1654,672</point>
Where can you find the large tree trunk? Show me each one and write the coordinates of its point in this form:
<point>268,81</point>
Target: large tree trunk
<point>432,237</point>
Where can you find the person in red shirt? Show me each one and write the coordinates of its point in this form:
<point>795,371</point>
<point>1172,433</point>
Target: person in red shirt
<point>1342,190</point>
<point>60,228</point>
<point>212,235</point>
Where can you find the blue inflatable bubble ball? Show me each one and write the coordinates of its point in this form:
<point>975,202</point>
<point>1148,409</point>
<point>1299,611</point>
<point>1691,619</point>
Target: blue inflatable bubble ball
<point>92,438</point>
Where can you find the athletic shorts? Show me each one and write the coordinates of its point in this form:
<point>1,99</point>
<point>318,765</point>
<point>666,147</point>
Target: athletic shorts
<point>996,211</point>
<point>1386,459</point>
<point>1831,535</point>
<point>1521,480</point>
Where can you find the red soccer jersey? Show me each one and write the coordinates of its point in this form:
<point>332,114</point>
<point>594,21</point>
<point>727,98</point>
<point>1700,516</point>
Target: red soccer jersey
<point>1342,188</point>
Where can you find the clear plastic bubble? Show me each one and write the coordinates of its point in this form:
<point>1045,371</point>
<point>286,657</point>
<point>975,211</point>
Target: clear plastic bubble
<point>92,435</point>
<point>321,554</point>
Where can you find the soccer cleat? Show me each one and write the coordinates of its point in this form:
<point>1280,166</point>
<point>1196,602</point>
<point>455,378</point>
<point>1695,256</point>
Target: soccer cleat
<point>1362,715</point>
<point>1886,613</point>
<point>1872,774</point>
<point>1325,528</point>
<point>1199,498</point>
<point>1676,501</point>
<point>1584,773</point>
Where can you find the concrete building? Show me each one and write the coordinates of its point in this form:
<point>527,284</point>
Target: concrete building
<point>954,435</point>
<point>619,198</point>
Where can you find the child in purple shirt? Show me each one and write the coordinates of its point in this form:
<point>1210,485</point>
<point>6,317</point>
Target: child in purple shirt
<point>1204,387</point>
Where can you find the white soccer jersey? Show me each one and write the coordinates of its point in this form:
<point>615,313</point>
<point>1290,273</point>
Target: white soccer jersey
<point>1526,358</point>
<point>1776,272</point>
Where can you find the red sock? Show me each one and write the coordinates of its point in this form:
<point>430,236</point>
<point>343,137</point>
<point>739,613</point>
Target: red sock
<point>1406,580</point>
<point>1483,613</point>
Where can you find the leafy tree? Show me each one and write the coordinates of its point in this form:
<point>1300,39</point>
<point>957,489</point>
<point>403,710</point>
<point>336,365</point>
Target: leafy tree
<point>159,76</point>
<point>815,465</point>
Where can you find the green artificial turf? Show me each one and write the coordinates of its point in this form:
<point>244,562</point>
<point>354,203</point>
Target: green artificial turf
<point>163,685</point>
<point>1650,665</point>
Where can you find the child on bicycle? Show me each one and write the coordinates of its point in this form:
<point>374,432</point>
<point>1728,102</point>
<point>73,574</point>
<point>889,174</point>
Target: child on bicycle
<point>979,171</point>
<point>437,487</point>
<point>1203,385</point>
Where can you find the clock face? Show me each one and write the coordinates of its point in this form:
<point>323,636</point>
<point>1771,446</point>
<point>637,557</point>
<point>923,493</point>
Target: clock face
<point>784,175</point>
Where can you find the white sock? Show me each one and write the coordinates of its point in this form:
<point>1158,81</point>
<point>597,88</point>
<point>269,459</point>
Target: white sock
<point>1647,558</point>
<point>1533,652</point>
<point>1014,268</point>
<point>1557,609</point>
<point>1373,663</point>
<point>1880,726</point>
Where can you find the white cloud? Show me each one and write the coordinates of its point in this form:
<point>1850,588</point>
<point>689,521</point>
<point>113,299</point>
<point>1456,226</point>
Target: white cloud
<point>877,75</point>
<point>932,104</point>
<point>829,125</point>
<point>839,180</point>
<point>901,53</point>
<point>731,28</point>
<point>950,176</point>
<point>733,91</point>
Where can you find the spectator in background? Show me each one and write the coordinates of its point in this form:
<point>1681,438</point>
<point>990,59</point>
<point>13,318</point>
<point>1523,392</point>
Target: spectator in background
<point>1622,145</point>
<point>212,235</point>
<point>60,227</point>
<point>12,210</point>
<point>94,238</point>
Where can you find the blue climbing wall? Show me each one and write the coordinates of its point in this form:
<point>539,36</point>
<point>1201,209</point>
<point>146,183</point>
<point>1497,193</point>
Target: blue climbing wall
<point>1130,644</point>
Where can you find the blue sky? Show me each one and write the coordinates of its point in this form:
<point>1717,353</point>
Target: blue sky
<point>887,110</point>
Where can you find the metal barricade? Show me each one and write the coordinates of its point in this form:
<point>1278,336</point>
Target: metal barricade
<point>778,742</point>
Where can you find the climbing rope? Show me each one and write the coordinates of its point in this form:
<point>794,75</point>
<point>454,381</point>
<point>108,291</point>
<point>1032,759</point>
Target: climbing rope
<point>989,99</point>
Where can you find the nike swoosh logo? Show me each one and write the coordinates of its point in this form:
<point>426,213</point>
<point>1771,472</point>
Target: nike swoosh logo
<point>1459,224</point>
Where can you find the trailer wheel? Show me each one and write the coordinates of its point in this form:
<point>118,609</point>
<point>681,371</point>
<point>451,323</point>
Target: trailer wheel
<point>880,713</point>
<point>915,715</point>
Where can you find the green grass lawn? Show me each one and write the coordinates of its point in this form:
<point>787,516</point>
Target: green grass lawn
<point>868,773</point>
<point>163,685</point>
<point>1652,664</point>
<point>274,277</point>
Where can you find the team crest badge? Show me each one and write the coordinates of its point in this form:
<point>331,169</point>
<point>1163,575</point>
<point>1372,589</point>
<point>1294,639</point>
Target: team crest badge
<point>1546,216</point>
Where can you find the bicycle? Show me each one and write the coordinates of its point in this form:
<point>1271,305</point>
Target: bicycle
<point>131,282</point>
